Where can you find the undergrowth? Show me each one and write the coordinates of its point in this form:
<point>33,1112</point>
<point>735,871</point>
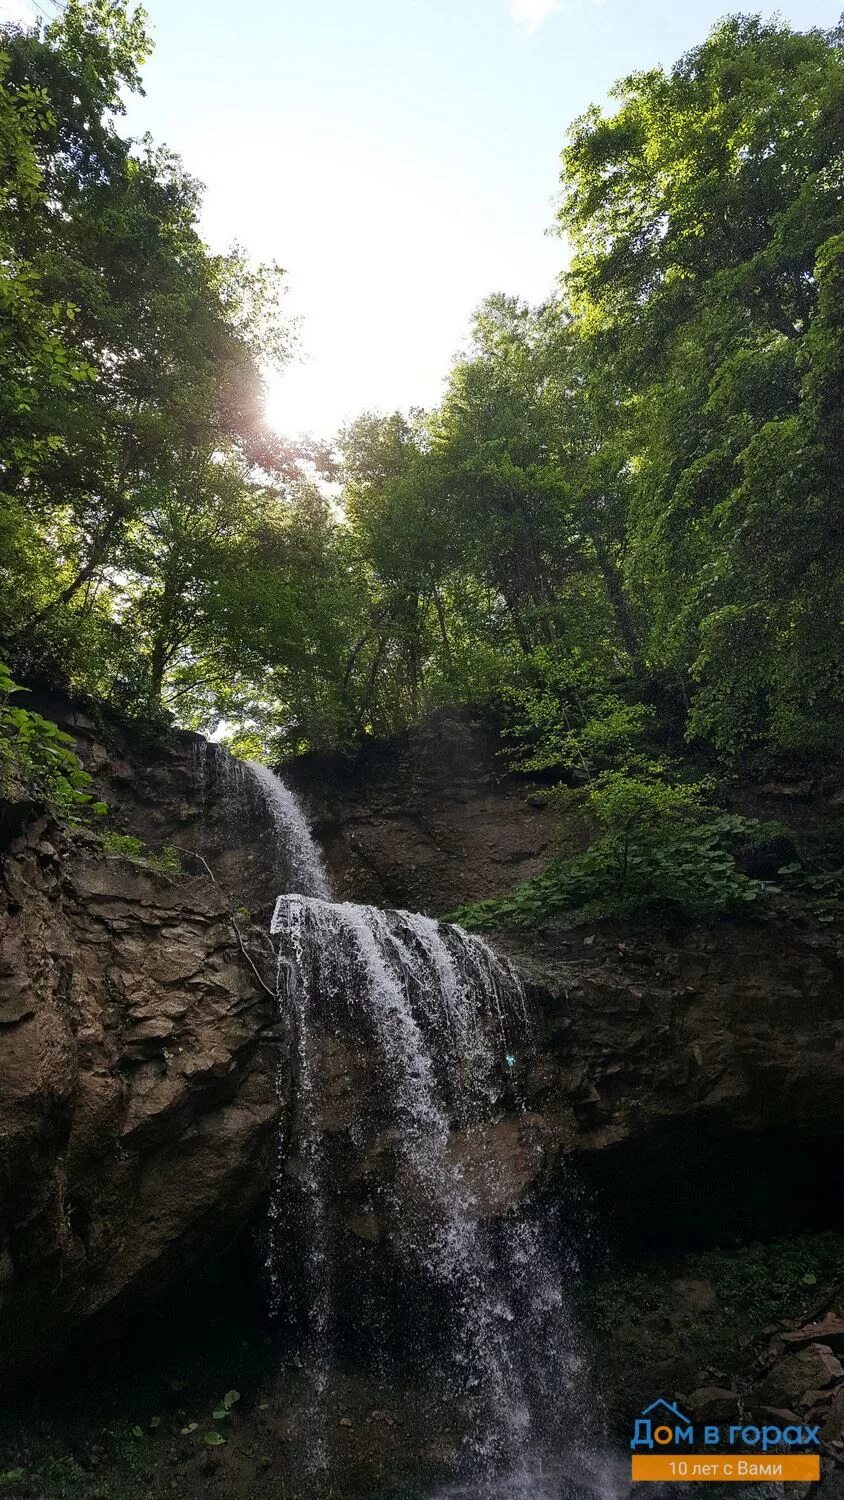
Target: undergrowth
<point>651,844</point>
<point>165,861</point>
<point>755,1286</point>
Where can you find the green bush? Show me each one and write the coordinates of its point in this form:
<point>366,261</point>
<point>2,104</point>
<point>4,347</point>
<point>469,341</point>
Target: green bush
<point>38,760</point>
<point>655,845</point>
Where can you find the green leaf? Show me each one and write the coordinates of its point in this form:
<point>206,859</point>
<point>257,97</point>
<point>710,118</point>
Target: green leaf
<point>214,1439</point>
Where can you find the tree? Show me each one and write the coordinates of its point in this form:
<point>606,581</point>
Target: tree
<point>158,409</point>
<point>701,212</point>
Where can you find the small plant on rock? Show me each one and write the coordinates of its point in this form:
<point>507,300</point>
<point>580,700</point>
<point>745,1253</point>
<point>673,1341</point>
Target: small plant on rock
<point>165,861</point>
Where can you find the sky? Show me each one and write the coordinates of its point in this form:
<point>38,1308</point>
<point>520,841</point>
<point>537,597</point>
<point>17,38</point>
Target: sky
<point>399,158</point>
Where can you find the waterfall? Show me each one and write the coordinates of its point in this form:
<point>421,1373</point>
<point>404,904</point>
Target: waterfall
<point>407,1042</point>
<point>441,1020</point>
<point>294,841</point>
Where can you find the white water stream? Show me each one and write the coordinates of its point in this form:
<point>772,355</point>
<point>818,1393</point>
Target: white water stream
<point>441,1018</point>
<point>292,833</point>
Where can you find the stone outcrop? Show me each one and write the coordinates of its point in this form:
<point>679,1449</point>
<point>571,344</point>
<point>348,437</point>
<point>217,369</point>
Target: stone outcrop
<point>792,1378</point>
<point>181,792</point>
<point>705,1065</point>
<point>696,1074</point>
<point>696,1077</point>
<point>137,1101</point>
<point>427,822</point>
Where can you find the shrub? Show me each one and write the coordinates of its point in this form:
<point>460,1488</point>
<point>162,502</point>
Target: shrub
<point>38,760</point>
<point>655,845</point>
<point>562,717</point>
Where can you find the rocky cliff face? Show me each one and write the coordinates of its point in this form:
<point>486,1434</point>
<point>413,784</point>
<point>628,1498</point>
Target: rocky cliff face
<point>696,1078</point>
<point>427,822</point>
<point>666,1050</point>
<point>696,1074</point>
<point>138,1108</point>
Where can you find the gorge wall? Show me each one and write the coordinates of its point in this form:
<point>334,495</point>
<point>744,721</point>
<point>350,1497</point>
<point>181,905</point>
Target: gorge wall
<point>695,1074</point>
<point>138,1106</point>
<point>428,821</point>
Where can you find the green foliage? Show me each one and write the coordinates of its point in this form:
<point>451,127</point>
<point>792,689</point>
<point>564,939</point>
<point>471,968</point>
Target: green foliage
<point>770,1281</point>
<point>706,216</point>
<point>165,861</point>
<point>131,426</point>
<point>619,530</point>
<point>821,891</point>
<point>122,846</point>
<point>655,845</point>
<point>62,1475</point>
<point>38,760</point>
<point>565,718</point>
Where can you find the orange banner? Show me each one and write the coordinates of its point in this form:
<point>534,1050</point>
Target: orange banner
<point>743,1467</point>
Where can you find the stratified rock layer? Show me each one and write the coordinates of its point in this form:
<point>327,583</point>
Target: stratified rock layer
<point>429,821</point>
<point>137,1110</point>
<point>696,1074</point>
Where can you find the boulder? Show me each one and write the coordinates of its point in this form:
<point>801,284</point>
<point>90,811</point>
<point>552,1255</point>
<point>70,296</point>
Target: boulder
<point>833,1424</point>
<point>829,1331</point>
<point>713,1403</point>
<point>788,1381</point>
<point>694,1295</point>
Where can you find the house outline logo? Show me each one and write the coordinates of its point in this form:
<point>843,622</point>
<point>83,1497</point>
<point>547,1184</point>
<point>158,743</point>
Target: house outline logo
<point>662,1425</point>
<point>666,1406</point>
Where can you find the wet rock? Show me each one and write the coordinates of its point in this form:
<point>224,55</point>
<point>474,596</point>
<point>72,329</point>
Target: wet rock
<point>832,1430</point>
<point>137,1114</point>
<point>137,1079</point>
<point>831,1486</point>
<point>427,822</point>
<point>775,1416</point>
<point>694,1295</point>
<point>829,1331</point>
<point>786,1383</point>
<point>366,1226</point>
<point>501,1162</point>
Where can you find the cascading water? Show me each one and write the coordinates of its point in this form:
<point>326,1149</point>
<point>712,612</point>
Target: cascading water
<point>292,836</point>
<point>437,1023</point>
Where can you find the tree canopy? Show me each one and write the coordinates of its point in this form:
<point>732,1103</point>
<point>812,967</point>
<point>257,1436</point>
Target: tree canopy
<point>620,527</point>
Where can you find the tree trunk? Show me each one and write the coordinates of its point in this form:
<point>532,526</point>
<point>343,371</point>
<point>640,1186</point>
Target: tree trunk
<point>619,604</point>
